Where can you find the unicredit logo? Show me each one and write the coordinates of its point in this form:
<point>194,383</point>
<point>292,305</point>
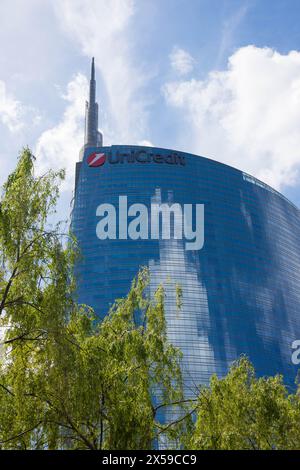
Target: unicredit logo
<point>96,159</point>
<point>140,156</point>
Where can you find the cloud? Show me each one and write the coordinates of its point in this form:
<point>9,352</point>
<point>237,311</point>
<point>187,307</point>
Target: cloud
<point>230,25</point>
<point>181,61</point>
<point>11,111</point>
<point>247,115</point>
<point>58,147</point>
<point>145,143</point>
<point>103,29</point>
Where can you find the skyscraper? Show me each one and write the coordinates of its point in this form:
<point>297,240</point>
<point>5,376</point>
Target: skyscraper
<point>240,278</point>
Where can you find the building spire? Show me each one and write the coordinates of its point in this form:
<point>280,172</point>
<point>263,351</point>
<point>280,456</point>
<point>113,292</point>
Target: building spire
<point>93,138</point>
<point>93,69</point>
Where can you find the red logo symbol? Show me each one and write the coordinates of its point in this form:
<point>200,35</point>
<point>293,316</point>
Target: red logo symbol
<point>96,159</point>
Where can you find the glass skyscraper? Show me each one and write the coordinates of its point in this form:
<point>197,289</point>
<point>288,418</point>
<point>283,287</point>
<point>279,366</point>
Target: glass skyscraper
<point>240,289</point>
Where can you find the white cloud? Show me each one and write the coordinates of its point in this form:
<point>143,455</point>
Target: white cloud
<point>247,116</point>
<point>181,61</point>
<point>59,146</point>
<point>11,111</point>
<point>145,143</point>
<point>103,29</point>
<point>230,25</point>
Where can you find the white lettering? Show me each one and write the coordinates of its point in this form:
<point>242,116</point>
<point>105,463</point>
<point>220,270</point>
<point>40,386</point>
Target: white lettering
<point>198,234</point>
<point>296,354</point>
<point>106,228</point>
<point>165,210</point>
<point>167,221</point>
<point>141,222</point>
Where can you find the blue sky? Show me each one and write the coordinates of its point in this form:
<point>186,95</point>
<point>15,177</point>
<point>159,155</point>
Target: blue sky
<point>220,78</point>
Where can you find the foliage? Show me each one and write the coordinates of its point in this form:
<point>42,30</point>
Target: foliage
<point>241,411</point>
<point>67,381</point>
<point>70,382</point>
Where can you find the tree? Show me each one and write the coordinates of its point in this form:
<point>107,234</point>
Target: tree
<point>241,411</point>
<point>66,380</point>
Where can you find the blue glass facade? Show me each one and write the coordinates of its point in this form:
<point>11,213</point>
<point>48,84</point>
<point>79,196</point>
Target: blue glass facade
<point>240,291</point>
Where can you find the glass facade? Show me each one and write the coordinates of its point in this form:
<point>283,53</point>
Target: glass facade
<point>240,291</point>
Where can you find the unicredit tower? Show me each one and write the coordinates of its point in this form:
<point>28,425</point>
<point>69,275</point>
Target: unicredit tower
<point>230,241</point>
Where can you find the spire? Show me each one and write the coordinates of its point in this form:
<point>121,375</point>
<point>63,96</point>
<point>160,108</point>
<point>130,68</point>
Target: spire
<point>93,69</point>
<point>93,138</point>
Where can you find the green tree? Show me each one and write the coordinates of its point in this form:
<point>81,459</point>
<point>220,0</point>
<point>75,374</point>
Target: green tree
<point>241,411</point>
<point>70,382</point>
<point>67,381</point>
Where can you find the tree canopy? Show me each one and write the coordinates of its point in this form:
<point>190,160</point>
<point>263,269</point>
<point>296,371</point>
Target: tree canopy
<point>67,381</point>
<point>241,411</point>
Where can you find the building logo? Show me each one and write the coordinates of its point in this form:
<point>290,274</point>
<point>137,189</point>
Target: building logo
<point>134,156</point>
<point>96,159</point>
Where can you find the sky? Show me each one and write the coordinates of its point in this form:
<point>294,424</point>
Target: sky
<point>218,78</point>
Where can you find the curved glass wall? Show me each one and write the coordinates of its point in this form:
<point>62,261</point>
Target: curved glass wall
<point>240,290</point>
